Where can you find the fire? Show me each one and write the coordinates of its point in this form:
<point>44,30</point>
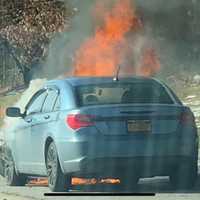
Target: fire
<point>2,112</point>
<point>109,48</point>
<point>150,63</point>
<point>81,181</point>
<point>93,181</point>
<point>75,181</point>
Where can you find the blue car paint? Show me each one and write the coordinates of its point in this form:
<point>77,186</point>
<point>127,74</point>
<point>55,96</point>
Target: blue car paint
<point>107,140</point>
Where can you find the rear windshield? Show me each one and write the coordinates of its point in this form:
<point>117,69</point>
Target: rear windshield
<point>122,93</point>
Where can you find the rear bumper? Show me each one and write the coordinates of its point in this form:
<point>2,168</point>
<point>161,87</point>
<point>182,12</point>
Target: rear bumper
<point>149,156</point>
<point>143,166</point>
<point>146,165</point>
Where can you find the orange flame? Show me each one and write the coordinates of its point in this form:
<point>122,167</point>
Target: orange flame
<point>150,63</point>
<point>2,112</point>
<point>93,181</point>
<point>102,54</point>
<point>75,181</point>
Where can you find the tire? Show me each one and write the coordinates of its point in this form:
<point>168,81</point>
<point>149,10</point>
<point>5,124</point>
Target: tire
<point>185,175</point>
<point>2,168</point>
<point>12,178</point>
<point>57,181</point>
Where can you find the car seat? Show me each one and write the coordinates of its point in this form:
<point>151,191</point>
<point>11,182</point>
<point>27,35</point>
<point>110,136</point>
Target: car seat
<point>91,99</point>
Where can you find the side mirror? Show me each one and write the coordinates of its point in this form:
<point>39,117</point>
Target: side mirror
<point>13,112</point>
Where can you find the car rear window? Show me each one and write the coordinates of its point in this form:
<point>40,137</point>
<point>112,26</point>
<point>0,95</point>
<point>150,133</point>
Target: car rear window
<point>122,93</point>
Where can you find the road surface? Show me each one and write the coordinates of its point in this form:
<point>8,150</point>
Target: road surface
<point>158,185</point>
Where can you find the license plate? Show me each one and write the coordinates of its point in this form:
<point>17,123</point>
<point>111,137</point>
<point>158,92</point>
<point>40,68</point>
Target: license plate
<point>139,126</point>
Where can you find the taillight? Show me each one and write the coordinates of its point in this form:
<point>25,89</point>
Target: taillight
<point>76,121</point>
<point>187,118</point>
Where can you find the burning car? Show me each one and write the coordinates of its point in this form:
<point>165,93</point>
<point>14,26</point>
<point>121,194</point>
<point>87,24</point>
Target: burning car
<point>127,128</point>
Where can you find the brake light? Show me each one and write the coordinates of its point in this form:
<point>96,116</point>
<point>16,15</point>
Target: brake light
<point>187,118</point>
<point>76,121</point>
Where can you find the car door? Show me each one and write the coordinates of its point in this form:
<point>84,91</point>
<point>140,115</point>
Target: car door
<point>21,141</point>
<point>41,128</point>
<point>24,143</point>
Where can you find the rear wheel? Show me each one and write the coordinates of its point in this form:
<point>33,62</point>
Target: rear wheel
<point>12,178</point>
<point>185,175</point>
<point>57,181</point>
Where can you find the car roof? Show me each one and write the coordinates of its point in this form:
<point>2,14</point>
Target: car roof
<point>77,81</point>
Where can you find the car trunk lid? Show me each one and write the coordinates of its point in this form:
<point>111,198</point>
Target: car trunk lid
<point>135,119</point>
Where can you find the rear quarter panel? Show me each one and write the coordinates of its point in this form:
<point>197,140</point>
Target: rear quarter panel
<point>58,131</point>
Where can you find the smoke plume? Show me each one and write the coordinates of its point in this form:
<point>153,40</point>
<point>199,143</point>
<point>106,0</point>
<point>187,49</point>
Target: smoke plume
<point>67,49</point>
<point>12,123</point>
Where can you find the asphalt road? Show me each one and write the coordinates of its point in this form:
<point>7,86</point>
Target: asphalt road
<point>158,185</point>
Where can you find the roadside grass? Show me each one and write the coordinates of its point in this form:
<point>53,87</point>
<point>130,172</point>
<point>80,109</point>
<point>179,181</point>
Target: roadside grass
<point>184,92</point>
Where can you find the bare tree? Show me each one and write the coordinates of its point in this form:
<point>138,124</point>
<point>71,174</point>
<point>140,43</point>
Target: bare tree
<point>27,27</point>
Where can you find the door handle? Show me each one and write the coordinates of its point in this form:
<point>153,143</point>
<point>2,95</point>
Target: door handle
<point>46,117</point>
<point>29,120</point>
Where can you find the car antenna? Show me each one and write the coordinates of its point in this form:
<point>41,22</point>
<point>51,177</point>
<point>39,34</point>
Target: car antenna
<point>116,78</point>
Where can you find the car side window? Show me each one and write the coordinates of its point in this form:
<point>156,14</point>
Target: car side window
<point>50,100</point>
<point>36,103</point>
<point>57,104</point>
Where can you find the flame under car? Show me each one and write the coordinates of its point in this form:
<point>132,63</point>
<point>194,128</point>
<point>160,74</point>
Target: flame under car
<point>126,128</point>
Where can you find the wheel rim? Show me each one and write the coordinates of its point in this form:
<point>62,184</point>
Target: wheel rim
<point>52,166</point>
